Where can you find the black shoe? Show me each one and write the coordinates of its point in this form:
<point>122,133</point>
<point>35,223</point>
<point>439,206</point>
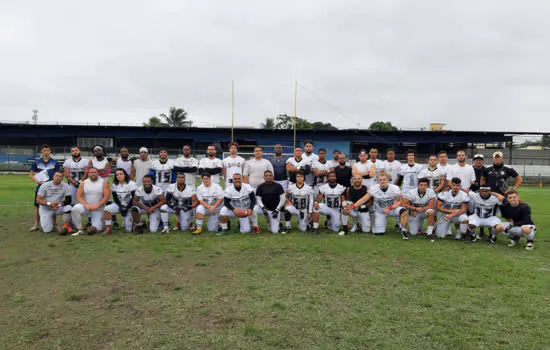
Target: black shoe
<point>138,230</point>
<point>405,235</point>
<point>309,227</point>
<point>492,239</point>
<point>379,234</point>
<point>472,238</point>
<point>284,230</point>
<point>431,237</point>
<point>316,231</point>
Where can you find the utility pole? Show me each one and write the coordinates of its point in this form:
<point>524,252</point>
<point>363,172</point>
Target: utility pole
<point>35,116</point>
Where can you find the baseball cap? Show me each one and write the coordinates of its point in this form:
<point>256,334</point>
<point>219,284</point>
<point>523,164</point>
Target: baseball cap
<point>362,152</point>
<point>485,188</point>
<point>143,149</point>
<point>497,154</point>
<point>479,156</point>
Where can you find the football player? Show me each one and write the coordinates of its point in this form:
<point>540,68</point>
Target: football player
<point>239,201</point>
<point>147,200</point>
<point>180,200</point>
<point>333,194</point>
<point>299,202</point>
<point>210,196</point>
<point>123,190</point>
<point>420,202</point>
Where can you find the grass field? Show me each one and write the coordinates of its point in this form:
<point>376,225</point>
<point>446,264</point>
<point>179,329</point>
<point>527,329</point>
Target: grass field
<point>297,291</point>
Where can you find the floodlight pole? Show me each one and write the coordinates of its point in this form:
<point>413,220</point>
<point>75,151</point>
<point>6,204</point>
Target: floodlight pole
<point>232,110</point>
<point>295,103</point>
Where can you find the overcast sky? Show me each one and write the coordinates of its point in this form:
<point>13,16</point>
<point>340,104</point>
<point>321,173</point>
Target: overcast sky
<point>475,65</point>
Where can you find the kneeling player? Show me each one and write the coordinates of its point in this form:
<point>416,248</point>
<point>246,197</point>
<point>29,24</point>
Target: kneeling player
<point>239,201</point>
<point>520,224</point>
<point>123,190</point>
<point>299,202</point>
<point>210,197</point>
<point>452,206</point>
<point>387,202</point>
<point>361,213</point>
<point>54,198</point>
<point>92,195</point>
<point>484,206</point>
<point>270,199</point>
<point>333,193</point>
<point>180,200</point>
<point>148,200</point>
<point>420,203</point>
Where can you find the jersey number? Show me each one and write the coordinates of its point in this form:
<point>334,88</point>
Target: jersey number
<point>333,202</point>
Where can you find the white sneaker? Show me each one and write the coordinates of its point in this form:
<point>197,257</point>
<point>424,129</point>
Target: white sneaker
<point>512,243</point>
<point>78,233</point>
<point>34,228</point>
<point>530,245</point>
<point>341,233</point>
<point>166,229</point>
<point>458,236</point>
<point>353,228</point>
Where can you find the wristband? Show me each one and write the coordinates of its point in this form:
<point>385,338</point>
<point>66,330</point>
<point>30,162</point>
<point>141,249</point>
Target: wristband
<point>353,206</point>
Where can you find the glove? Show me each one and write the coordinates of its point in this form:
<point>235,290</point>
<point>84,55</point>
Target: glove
<point>134,158</point>
<point>264,210</point>
<point>302,215</point>
<point>275,214</point>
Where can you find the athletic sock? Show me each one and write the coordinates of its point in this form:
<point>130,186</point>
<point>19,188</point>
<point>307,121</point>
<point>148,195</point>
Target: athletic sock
<point>199,223</point>
<point>108,222</point>
<point>315,225</point>
<point>430,230</point>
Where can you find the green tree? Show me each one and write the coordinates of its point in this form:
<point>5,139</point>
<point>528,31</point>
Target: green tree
<point>154,122</point>
<point>177,118</point>
<point>323,126</point>
<point>545,141</point>
<point>269,123</point>
<point>382,126</point>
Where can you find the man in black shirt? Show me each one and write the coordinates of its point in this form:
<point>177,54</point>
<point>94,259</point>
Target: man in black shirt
<point>520,223</point>
<point>343,172</point>
<point>498,175</point>
<point>270,199</point>
<point>279,166</point>
<point>361,214</point>
<point>480,171</point>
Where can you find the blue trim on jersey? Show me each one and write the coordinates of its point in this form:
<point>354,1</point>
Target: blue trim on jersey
<point>51,166</point>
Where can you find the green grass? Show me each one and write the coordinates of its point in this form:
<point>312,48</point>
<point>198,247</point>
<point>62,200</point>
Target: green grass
<point>297,291</point>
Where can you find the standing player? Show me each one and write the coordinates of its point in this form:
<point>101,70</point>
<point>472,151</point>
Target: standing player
<point>141,166</point>
<point>180,200</point>
<point>484,206</point>
<point>520,224</point>
<point>54,198</point>
<point>124,162</point>
<point>343,172</point>
<point>480,172</point>
<point>299,202</point>
<point>387,202</point>
<point>333,193</point>
<point>436,178</point>
<point>465,172</point>
<point>162,170</point>
<point>443,166</point>
<point>147,200</point>
<point>320,169</point>
<point>408,175</point>
<point>270,199</point>
<point>239,201</point>
<point>361,213</point>
<point>335,159</point>
<point>75,171</point>
<point>310,157</point>
<point>279,166</point>
<point>378,164</point>
<point>210,197</point>
<point>421,203</point>
<point>392,166</point>
<point>297,163</point>
<point>98,161</point>
<point>364,169</point>
<point>42,170</point>
<point>187,165</point>
<point>211,165</point>
<point>92,195</point>
<point>254,171</point>
<point>498,175</point>
<point>452,206</point>
<point>123,190</point>
<point>233,164</point>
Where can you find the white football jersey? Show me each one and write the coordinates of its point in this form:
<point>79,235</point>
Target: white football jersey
<point>418,200</point>
<point>484,208</point>
<point>182,162</point>
<point>410,176</point>
<point>465,173</point>
<point>363,167</point>
<point>77,169</point>
<point>311,158</point>
<point>300,165</point>
<point>384,198</point>
<point>124,164</point>
<point>333,195</point>
<point>239,199</point>
<point>181,199</point>
<point>301,198</point>
<point>333,163</point>
<point>392,169</point>
<point>233,166</point>
<point>321,180</point>
<point>379,167</point>
<point>163,173</point>
<point>207,163</point>
<point>434,175</point>
<point>99,165</point>
<point>52,192</point>
<point>124,192</point>
<point>151,198</point>
<point>453,202</point>
<point>210,194</point>
<point>444,169</point>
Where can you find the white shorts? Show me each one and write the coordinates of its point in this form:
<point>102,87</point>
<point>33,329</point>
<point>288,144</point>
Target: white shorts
<point>516,231</point>
<point>364,219</point>
<point>96,216</point>
<point>128,220</point>
<point>273,223</point>
<point>302,223</point>
<point>416,222</point>
<point>185,217</point>
<point>154,219</point>
<point>476,221</point>
<point>213,219</point>
<point>244,223</point>
<point>334,214</point>
<point>443,224</point>
<point>46,216</point>
<point>381,219</point>
<point>283,183</point>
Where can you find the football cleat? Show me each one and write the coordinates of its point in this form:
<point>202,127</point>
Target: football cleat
<point>255,230</point>
<point>78,233</point>
<point>530,245</point>
<point>405,235</point>
<point>34,228</point>
<point>198,231</point>
<point>221,232</point>
<point>165,230</point>
<point>107,230</point>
